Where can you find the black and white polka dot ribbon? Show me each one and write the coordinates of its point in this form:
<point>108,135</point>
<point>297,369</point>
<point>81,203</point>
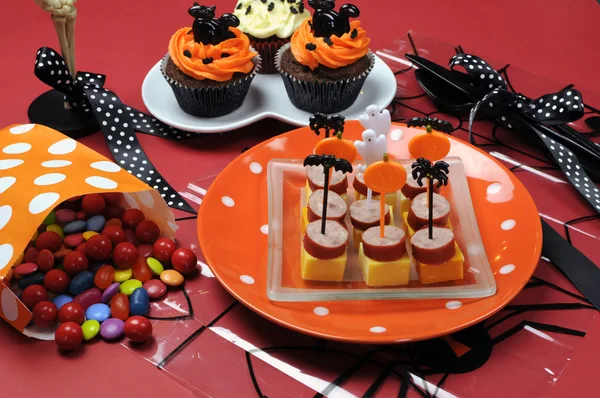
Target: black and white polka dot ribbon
<point>118,122</point>
<point>517,111</point>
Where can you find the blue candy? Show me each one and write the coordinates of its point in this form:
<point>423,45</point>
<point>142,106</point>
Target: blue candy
<point>98,312</point>
<point>61,300</point>
<point>36,278</point>
<point>74,227</point>
<point>95,223</point>
<point>139,302</point>
<point>81,282</point>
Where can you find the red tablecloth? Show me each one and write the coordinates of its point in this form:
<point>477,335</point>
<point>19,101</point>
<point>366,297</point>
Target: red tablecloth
<point>123,39</point>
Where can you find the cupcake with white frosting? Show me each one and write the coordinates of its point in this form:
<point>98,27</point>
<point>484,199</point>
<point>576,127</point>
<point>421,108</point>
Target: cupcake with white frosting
<point>269,24</point>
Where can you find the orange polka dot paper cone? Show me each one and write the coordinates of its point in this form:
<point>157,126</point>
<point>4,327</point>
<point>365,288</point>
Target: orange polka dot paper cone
<point>39,169</point>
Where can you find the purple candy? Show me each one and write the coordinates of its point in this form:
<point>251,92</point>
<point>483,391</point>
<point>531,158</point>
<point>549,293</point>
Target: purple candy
<point>110,292</point>
<point>112,329</point>
<point>89,297</point>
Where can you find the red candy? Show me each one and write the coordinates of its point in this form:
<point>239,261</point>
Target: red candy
<point>74,240</point>
<point>112,198</point>
<point>56,281</point>
<point>184,260</point>
<point>145,250</point>
<point>45,314</point>
<point>104,277</point>
<point>48,240</point>
<point>87,298</point>
<point>163,249</point>
<point>132,217</point>
<point>113,222</point>
<point>93,204</point>
<point>119,306</point>
<point>114,233</point>
<point>61,253</point>
<point>138,329</point>
<point>113,211</point>
<point>98,248</point>
<point>68,336</point>
<point>141,271</point>
<point>31,255</point>
<point>130,237</point>
<point>25,269</point>
<point>147,231</point>
<point>75,262</point>
<point>71,312</point>
<point>124,255</point>
<point>33,295</point>
<point>81,215</point>
<point>80,248</point>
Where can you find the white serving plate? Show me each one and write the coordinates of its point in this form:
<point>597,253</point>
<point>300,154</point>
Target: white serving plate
<point>267,98</point>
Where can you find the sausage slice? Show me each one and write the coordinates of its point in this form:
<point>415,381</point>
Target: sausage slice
<point>316,180</point>
<point>411,189</point>
<point>336,206</point>
<point>418,215</point>
<point>326,246</point>
<point>433,251</point>
<point>389,248</point>
<point>363,217</point>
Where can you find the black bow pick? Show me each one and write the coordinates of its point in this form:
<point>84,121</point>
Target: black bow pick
<point>117,121</point>
<point>517,111</point>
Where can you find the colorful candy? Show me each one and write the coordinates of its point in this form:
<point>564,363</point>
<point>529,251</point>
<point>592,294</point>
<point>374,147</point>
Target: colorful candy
<point>50,218</point>
<point>154,265</point>
<point>73,240</point>
<point>113,211</point>
<point>147,231</point>
<point>61,300</point>
<point>24,269</point>
<point>119,306</point>
<point>129,286</point>
<point>115,233</point>
<point>33,294</point>
<point>37,278</point>
<point>132,217</point>
<point>90,329</point>
<point>74,227</point>
<point>75,263</point>
<point>130,237</point>
<point>99,312</point>
<point>184,260</point>
<point>31,254</point>
<point>138,329</point>
<point>113,222</point>
<point>112,329</point>
<point>110,292</point>
<point>48,240</point>
<point>139,302</point>
<point>95,223</point>
<point>93,204</point>
<point>56,281</point>
<point>88,234</point>
<point>65,216</point>
<point>124,255</point>
<point>171,277</point>
<point>81,282</point>
<point>163,249</point>
<point>141,271</point>
<point>45,314</point>
<point>145,250</point>
<point>99,248</point>
<point>56,228</point>
<point>71,312</point>
<point>68,336</point>
<point>104,277</point>
<point>88,298</point>
<point>155,288</point>
<point>112,198</point>
<point>121,275</point>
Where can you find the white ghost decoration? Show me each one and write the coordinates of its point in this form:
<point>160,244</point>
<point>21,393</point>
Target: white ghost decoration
<point>376,119</point>
<point>371,148</point>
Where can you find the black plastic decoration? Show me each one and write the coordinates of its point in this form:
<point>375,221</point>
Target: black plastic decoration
<point>210,30</point>
<point>327,22</point>
<point>434,123</point>
<point>329,123</point>
<point>117,121</point>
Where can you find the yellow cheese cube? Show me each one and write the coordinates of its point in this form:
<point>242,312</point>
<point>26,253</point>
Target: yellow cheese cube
<point>378,273</point>
<point>315,269</point>
<point>357,233</point>
<point>404,203</point>
<point>448,271</point>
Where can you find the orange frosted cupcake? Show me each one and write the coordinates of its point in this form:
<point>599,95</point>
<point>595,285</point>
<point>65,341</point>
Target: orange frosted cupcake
<point>210,66</point>
<point>328,60</point>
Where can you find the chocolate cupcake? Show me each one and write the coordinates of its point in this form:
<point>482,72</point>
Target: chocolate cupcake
<point>210,66</point>
<point>328,60</point>
<point>269,24</point>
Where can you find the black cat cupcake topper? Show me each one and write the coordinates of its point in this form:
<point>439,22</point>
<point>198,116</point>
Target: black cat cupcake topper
<point>210,30</point>
<point>327,22</point>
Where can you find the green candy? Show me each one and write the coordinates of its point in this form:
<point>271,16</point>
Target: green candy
<point>155,266</point>
<point>129,286</point>
<point>50,218</point>
<point>90,329</point>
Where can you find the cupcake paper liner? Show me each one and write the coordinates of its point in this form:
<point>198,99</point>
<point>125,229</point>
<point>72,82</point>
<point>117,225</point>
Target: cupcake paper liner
<point>267,49</point>
<point>326,96</point>
<point>211,101</point>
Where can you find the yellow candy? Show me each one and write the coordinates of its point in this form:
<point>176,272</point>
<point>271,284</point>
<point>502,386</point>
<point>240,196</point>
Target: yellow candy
<point>155,266</point>
<point>56,228</point>
<point>129,286</point>
<point>90,329</point>
<point>171,277</point>
<point>87,235</point>
<point>121,275</point>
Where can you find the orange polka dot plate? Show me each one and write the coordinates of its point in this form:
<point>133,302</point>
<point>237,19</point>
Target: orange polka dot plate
<point>233,233</point>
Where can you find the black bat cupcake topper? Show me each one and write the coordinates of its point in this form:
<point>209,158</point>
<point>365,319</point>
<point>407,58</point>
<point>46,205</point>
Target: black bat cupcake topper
<point>328,162</point>
<point>210,30</point>
<point>434,123</point>
<point>329,123</point>
<point>423,168</point>
<point>327,22</point>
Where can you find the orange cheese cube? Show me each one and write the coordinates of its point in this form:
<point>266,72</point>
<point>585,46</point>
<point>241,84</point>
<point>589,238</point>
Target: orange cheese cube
<point>448,271</point>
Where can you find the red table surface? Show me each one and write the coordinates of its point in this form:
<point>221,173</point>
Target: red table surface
<point>123,39</point>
